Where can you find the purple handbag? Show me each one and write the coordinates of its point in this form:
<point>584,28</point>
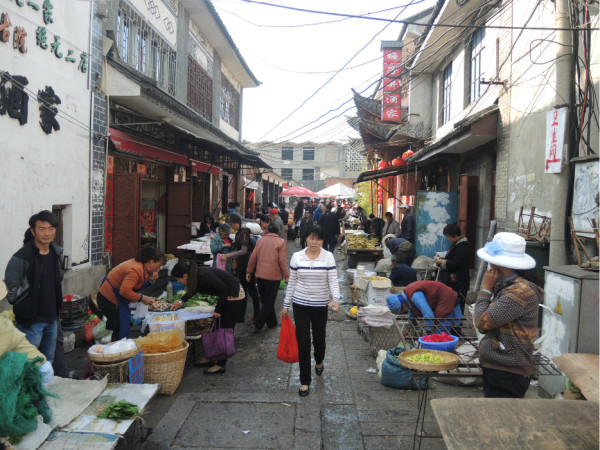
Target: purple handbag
<point>218,343</point>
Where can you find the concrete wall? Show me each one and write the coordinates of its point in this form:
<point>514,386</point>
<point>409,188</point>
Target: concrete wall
<point>40,170</point>
<point>528,65</point>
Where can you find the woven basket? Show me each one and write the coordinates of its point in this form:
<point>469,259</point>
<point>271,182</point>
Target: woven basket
<point>165,369</point>
<point>451,359</point>
<point>114,357</point>
<point>117,372</point>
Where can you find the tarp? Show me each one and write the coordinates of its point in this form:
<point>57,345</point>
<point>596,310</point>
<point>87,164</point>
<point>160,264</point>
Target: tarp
<point>338,190</point>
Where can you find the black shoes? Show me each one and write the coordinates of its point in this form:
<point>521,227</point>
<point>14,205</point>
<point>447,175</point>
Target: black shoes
<point>319,370</point>
<point>253,328</point>
<point>304,392</point>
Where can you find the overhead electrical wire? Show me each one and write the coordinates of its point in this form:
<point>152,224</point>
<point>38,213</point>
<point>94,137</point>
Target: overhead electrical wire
<point>334,75</point>
<point>405,22</point>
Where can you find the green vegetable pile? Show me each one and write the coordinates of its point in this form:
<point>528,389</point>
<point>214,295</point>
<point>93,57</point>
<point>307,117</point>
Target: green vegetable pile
<point>195,300</point>
<point>119,411</point>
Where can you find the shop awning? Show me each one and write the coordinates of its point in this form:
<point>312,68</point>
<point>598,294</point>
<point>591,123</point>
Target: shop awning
<point>203,167</point>
<point>383,173</point>
<point>127,143</point>
<point>472,132</point>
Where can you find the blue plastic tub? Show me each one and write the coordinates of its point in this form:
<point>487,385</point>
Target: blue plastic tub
<point>449,346</point>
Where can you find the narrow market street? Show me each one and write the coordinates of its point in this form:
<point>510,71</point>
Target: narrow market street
<point>255,404</point>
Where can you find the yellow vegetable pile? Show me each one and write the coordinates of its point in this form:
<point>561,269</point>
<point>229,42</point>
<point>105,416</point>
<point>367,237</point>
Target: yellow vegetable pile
<point>354,310</point>
<point>428,358</point>
<point>162,342</point>
<point>361,242</point>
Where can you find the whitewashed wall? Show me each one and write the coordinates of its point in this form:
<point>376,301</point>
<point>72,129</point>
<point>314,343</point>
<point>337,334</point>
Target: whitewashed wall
<point>39,170</point>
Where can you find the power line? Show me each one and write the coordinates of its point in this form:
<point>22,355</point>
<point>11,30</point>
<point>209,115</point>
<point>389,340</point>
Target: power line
<point>405,22</point>
<point>335,74</point>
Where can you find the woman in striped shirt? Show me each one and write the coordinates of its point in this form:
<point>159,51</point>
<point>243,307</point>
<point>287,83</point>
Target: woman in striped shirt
<point>313,276</point>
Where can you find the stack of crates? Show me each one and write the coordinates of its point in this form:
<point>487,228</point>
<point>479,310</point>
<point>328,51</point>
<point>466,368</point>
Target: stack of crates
<point>73,313</point>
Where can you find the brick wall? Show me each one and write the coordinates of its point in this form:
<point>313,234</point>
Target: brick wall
<point>99,131</point>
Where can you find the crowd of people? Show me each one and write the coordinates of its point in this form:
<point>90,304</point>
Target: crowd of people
<point>250,261</point>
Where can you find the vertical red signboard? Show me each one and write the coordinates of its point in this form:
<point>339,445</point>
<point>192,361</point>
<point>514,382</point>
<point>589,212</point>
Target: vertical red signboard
<point>392,70</point>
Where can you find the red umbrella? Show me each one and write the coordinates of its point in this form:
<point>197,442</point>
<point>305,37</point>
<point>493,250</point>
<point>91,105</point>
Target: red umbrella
<point>297,191</point>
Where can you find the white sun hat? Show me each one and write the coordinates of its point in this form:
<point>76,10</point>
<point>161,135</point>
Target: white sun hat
<point>507,250</point>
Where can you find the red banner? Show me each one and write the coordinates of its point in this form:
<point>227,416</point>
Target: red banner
<point>108,241</point>
<point>392,86</point>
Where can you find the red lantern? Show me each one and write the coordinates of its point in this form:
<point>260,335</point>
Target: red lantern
<point>382,164</point>
<point>398,161</point>
<point>407,154</point>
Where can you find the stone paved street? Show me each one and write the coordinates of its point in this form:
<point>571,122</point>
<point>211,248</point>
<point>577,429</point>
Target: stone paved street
<point>347,407</point>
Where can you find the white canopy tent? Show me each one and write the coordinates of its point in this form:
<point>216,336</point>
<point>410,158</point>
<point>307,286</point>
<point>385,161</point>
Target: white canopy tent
<point>338,190</point>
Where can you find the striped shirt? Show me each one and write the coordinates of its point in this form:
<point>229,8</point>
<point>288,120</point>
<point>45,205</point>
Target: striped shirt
<point>312,280</point>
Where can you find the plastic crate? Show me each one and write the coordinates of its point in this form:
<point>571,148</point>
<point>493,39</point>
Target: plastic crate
<point>170,325</point>
<point>74,311</point>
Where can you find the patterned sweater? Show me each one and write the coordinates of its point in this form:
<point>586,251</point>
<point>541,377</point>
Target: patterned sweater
<point>510,325</point>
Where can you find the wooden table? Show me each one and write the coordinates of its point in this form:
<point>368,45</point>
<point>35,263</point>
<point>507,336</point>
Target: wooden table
<point>490,423</point>
<point>582,369</point>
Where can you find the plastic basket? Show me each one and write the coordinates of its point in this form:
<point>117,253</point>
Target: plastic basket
<point>166,369</point>
<point>198,326</point>
<point>167,326</point>
<point>74,311</point>
<point>449,346</point>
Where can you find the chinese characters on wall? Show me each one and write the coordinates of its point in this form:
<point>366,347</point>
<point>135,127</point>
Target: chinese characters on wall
<point>14,95</point>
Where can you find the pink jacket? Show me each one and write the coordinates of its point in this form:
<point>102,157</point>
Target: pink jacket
<point>268,260</point>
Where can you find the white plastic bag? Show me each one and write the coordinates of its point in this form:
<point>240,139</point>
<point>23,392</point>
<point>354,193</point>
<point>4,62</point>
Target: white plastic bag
<point>381,355</point>
<point>141,311</point>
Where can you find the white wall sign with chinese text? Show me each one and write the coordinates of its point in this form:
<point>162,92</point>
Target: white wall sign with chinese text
<point>556,122</point>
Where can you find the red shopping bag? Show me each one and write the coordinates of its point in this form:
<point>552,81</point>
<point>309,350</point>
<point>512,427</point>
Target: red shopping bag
<point>287,351</point>
<point>87,330</point>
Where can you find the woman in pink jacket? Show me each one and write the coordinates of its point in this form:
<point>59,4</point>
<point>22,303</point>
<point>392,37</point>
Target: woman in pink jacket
<point>268,264</point>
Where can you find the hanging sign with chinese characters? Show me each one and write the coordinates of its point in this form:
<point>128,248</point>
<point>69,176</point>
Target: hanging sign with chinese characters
<point>392,70</point>
<point>556,122</point>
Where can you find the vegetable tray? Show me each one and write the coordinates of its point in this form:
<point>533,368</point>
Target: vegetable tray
<point>451,360</point>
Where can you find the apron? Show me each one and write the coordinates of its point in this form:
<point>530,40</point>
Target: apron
<point>124,311</point>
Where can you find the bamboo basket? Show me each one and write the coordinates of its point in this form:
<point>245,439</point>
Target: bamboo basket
<point>116,372</point>
<point>165,369</point>
<point>451,359</point>
<point>111,357</point>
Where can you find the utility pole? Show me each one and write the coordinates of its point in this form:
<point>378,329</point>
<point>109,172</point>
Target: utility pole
<point>564,57</point>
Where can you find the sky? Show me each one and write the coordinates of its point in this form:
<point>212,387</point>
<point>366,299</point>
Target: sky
<point>294,54</point>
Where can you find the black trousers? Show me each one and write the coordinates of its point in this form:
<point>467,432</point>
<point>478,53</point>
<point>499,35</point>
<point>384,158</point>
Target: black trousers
<point>250,290</point>
<point>229,317</point>
<point>268,294</point>
<point>304,318</point>
<point>502,384</point>
<point>111,311</point>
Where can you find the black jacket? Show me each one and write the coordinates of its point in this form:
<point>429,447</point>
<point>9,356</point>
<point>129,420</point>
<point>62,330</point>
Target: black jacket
<point>330,225</point>
<point>456,266</point>
<point>408,228</point>
<point>216,282</point>
<point>24,270</point>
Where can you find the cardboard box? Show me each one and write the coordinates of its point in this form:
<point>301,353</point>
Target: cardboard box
<point>376,291</point>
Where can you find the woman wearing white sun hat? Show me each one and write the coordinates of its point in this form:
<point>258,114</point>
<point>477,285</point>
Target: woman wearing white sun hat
<point>506,312</point>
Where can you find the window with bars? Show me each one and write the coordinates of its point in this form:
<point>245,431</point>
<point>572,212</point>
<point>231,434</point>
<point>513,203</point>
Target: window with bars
<point>200,89</point>
<point>308,174</point>
<point>287,153</point>
<point>354,160</point>
<point>143,48</point>
<point>447,93</point>
<point>476,69</point>
<point>287,174</point>
<point>308,153</point>
<point>230,103</point>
